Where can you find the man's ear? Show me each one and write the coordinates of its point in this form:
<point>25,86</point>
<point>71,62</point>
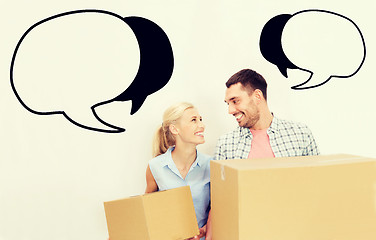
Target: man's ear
<point>258,95</point>
<point>173,129</point>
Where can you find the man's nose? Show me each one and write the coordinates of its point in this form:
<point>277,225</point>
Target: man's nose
<point>231,109</point>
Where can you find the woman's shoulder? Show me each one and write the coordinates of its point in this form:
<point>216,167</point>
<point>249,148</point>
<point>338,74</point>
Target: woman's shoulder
<point>160,159</point>
<point>204,155</point>
<point>204,158</point>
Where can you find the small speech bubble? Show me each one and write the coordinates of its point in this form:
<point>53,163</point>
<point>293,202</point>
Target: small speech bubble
<point>325,44</point>
<point>73,62</point>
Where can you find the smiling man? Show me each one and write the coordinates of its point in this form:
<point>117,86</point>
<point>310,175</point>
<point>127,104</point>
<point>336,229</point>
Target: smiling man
<point>260,134</point>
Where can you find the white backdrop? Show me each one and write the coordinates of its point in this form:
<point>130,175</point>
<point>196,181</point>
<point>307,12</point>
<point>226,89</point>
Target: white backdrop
<point>55,176</point>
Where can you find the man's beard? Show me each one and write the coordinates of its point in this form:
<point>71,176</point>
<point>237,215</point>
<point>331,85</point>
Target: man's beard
<point>252,119</point>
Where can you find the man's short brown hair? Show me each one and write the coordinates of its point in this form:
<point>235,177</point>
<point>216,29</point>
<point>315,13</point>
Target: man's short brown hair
<point>250,80</point>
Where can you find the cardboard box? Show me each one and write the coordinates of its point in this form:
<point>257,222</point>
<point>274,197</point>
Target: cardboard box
<point>161,215</point>
<point>300,198</point>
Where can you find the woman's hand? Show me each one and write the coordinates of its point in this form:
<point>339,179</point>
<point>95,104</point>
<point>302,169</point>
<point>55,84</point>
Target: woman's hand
<point>205,231</point>
<point>209,231</point>
<point>202,234</point>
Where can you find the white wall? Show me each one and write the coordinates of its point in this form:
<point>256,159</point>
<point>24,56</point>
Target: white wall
<point>55,176</point>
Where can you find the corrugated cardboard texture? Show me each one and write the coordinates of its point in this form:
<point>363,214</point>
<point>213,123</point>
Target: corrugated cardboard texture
<point>226,200</point>
<point>171,215</point>
<point>161,215</point>
<point>126,219</point>
<point>305,198</point>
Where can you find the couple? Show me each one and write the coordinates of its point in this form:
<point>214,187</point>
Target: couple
<point>177,162</point>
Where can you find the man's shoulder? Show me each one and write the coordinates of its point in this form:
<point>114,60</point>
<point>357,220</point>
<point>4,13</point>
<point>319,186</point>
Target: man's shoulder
<point>283,124</point>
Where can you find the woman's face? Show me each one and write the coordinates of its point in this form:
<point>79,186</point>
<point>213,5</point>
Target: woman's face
<point>190,128</point>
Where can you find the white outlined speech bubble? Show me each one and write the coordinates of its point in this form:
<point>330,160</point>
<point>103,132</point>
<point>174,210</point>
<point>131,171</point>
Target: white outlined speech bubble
<point>68,63</point>
<point>325,44</point>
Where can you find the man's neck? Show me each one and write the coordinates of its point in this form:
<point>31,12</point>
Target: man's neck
<point>264,122</point>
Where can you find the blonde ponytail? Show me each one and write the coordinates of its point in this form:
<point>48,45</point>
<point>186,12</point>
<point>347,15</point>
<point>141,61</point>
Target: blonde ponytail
<point>161,142</point>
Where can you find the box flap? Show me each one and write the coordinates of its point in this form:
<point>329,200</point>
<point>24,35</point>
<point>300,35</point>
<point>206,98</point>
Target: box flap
<point>290,162</point>
<point>224,209</point>
<point>175,207</point>
<point>126,219</point>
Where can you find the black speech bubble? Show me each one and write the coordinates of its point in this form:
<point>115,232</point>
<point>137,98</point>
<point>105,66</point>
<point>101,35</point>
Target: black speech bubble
<point>271,43</point>
<point>156,62</point>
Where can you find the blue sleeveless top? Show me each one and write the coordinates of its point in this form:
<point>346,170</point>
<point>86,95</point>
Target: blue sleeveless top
<point>168,176</point>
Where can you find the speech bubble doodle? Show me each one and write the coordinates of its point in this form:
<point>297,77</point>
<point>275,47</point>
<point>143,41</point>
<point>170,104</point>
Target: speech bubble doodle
<point>156,62</point>
<point>325,44</point>
<point>74,62</point>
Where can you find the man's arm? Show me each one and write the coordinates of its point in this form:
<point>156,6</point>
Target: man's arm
<point>312,148</point>
<point>219,153</point>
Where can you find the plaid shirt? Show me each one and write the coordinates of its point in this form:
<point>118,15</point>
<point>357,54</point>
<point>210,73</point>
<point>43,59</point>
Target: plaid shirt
<point>287,139</point>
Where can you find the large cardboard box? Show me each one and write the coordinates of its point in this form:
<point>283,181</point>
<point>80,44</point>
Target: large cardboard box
<point>164,215</point>
<point>300,198</point>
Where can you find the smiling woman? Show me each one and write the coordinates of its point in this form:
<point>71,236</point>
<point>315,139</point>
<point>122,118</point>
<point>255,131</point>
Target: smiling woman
<point>178,163</point>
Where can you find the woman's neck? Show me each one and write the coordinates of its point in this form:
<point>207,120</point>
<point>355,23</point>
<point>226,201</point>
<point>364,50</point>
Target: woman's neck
<point>183,157</point>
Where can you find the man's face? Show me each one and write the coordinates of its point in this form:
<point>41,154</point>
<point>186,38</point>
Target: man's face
<point>242,105</point>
